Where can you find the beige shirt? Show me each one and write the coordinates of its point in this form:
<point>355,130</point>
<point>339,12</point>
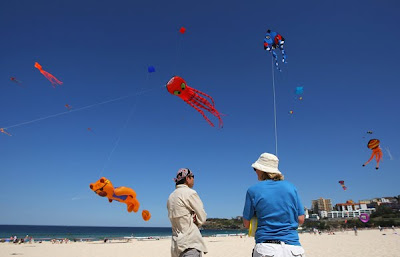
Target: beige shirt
<point>182,205</point>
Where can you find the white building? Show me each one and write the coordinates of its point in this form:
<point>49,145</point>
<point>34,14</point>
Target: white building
<point>349,213</point>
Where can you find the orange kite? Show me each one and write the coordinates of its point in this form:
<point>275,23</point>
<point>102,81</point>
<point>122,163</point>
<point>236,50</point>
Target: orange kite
<point>53,80</point>
<point>373,144</point>
<point>5,132</point>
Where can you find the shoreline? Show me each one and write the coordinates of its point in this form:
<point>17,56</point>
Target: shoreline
<point>370,242</point>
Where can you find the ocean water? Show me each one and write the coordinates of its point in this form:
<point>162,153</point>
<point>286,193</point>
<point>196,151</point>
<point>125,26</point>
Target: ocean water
<point>94,233</point>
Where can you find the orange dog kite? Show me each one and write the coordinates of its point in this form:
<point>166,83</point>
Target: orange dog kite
<point>104,188</point>
<point>54,82</point>
<point>373,144</point>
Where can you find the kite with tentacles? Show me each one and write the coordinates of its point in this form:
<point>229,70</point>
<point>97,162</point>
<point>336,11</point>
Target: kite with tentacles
<point>2,130</point>
<point>53,80</point>
<point>373,144</point>
<point>272,41</point>
<point>178,86</point>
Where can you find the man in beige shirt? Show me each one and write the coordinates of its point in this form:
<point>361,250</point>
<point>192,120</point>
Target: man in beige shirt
<point>186,213</point>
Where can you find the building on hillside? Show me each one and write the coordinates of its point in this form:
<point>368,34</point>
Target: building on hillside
<point>350,206</point>
<point>349,214</point>
<point>321,205</point>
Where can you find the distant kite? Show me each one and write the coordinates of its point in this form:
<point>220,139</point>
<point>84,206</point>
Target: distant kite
<point>272,41</point>
<point>177,86</point>
<point>373,144</point>
<point>369,132</point>
<point>2,130</point>
<point>182,30</point>
<point>13,79</point>
<point>53,80</point>
<point>341,182</point>
<point>90,130</point>
<point>69,107</point>
<point>104,188</point>
<point>146,215</point>
<point>151,69</point>
<point>290,112</point>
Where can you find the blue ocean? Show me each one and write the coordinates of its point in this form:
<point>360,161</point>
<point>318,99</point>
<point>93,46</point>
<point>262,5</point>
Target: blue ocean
<point>94,233</point>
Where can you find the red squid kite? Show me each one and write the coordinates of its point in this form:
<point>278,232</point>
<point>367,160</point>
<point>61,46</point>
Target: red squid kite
<point>53,80</point>
<point>178,86</point>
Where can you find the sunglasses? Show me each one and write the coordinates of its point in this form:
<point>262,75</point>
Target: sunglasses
<point>101,188</point>
<point>191,176</point>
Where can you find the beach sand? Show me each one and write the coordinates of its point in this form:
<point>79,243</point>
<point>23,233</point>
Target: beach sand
<point>343,244</point>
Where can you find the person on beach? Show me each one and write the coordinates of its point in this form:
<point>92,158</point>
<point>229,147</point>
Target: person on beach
<point>278,209</point>
<point>186,213</point>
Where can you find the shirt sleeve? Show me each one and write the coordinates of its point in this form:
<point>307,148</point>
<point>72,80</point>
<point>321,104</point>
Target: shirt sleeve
<point>197,205</point>
<point>248,211</point>
<point>300,207</point>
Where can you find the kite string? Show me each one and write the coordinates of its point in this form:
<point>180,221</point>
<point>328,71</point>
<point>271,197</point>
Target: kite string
<point>77,109</point>
<point>273,88</point>
<point>116,143</point>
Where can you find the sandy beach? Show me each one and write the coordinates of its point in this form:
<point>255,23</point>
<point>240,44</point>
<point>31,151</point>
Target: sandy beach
<point>344,244</point>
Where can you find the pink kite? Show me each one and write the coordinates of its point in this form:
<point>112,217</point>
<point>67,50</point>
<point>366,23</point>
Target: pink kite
<point>53,80</point>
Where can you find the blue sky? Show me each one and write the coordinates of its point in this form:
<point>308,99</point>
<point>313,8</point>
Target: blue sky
<point>344,54</point>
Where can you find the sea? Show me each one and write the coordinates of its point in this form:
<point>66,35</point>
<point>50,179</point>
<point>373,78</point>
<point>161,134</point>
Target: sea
<point>96,233</point>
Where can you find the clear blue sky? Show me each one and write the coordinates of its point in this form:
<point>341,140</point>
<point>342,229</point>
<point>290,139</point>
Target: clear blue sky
<point>345,55</point>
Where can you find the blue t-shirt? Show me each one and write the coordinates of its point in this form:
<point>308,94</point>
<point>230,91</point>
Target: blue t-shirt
<point>277,207</point>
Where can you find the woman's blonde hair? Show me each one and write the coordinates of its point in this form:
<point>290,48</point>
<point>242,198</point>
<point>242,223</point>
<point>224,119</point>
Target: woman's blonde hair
<point>271,176</point>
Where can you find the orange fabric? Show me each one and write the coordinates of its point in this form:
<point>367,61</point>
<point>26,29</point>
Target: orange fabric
<point>5,132</point>
<point>53,80</point>
<point>104,188</point>
<point>146,215</point>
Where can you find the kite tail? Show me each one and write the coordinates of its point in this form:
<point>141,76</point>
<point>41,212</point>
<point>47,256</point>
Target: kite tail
<point>203,103</point>
<point>275,56</point>
<point>370,158</point>
<point>204,94</point>
<point>283,55</point>
<point>200,111</point>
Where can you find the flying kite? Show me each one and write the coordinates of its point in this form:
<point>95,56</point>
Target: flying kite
<point>146,215</point>
<point>177,86</point>
<point>299,92</point>
<point>341,182</point>
<point>2,130</point>
<point>373,144</point>
<point>104,188</point>
<point>370,132</point>
<point>272,41</point>
<point>291,112</point>
<point>151,69</point>
<point>182,30</point>
<point>53,80</point>
<point>14,79</point>
<point>69,107</point>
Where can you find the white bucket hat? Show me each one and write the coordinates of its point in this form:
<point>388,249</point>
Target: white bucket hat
<point>267,163</point>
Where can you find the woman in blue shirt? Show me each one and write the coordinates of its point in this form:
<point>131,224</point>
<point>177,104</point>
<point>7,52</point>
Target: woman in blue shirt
<point>278,209</point>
